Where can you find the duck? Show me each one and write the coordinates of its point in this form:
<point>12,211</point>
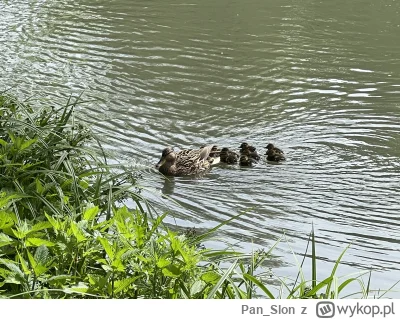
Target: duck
<point>274,154</point>
<point>185,162</point>
<point>246,159</point>
<point>228,156</point>
<point>271,146</point>
<point>243,147</point>
<point>249,150</point>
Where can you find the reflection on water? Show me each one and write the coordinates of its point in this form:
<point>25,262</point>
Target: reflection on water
<point>321,80</point>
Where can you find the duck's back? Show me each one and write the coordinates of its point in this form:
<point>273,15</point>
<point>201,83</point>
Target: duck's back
<point>191,161</point>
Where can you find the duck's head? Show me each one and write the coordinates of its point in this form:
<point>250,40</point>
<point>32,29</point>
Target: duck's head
<point>270,146</point>
<point>168,155</point>
<point>244,146</point>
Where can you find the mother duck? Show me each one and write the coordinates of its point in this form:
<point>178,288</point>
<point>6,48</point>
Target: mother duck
<point>185,162</point>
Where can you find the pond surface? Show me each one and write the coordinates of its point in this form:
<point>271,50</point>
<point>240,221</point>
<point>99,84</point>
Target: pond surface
<point>320,79</point>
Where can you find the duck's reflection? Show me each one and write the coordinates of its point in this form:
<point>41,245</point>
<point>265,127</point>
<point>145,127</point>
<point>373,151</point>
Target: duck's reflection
<point>168,186</point>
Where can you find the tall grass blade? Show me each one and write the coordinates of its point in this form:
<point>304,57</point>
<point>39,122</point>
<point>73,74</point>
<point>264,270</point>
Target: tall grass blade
<point>368,284</point>
<point>222,280</point>
<point>313,259</point>
<point>259,284</point>
<point>328,288</point>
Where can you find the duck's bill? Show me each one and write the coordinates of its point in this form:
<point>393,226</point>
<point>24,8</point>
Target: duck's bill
<point>161,162</point>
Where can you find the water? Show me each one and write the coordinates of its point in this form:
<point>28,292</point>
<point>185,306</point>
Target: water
<point>319,79</point>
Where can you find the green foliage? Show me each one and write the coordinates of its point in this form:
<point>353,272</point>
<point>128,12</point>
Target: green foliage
<point>45,164</point>
<point>116,258</point>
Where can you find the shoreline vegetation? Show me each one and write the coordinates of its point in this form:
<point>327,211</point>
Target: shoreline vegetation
<point>65,231</point>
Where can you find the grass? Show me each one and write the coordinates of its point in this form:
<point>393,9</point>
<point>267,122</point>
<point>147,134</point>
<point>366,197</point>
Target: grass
<point>66,233</point>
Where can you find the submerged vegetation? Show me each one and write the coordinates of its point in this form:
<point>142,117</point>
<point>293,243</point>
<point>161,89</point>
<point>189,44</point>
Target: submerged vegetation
<point>65,231</point>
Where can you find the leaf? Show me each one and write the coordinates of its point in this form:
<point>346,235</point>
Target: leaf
<point>15,270</point>
<point>55,223</point>
<point>328,287</point>
<point>117,265</point>
<point>59,279</point>
<point>259,285</point>
<point>120,285</point>
<point>171,271</point>
<point>6,201</point>
<point>77,232</point>
<point>313,259</point>
<point>139,234</point>
<point>36,242</point>
<point>21,231</point>
<point>322,284</point>
<point>107,247</point>
<point>221,280</point>
<point>107,268</point>
<point>83,184</point>
<point>39,186</point>
<point>31,260</point>
<point>42,254</point>
<point>28,143</point>
<point>197,287</point>
<point>91,213</point>
<point>24,264</point>
<point>5,220</point>
<point>40,226</point>
<point>5,240</point>
<point>210,277</point>
<point>161,263</point>
<point>12,137</point>
<point>3,142</point>
<point>80,288</point>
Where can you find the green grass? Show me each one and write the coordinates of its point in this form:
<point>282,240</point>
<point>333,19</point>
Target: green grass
<point>66,233</point>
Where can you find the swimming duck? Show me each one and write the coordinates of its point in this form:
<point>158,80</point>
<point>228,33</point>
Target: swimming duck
<point>274,154</point>
<point>246,159</point>
<point>271,146</point>
<point>228,156</point>
<point>249,150</point>
<point>243,146</point>
<point>185,162</point>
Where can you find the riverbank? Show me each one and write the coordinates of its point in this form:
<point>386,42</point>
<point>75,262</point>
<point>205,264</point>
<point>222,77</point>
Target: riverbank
<point>65,231</point>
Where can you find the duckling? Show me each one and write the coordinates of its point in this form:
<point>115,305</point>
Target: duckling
<point>274,154</point>
<point>243,147</point>
<point>274,157</point>
<point>271,146</point>
<point>249,150</point>
<point>246,159</point>
<point>228,156</point>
